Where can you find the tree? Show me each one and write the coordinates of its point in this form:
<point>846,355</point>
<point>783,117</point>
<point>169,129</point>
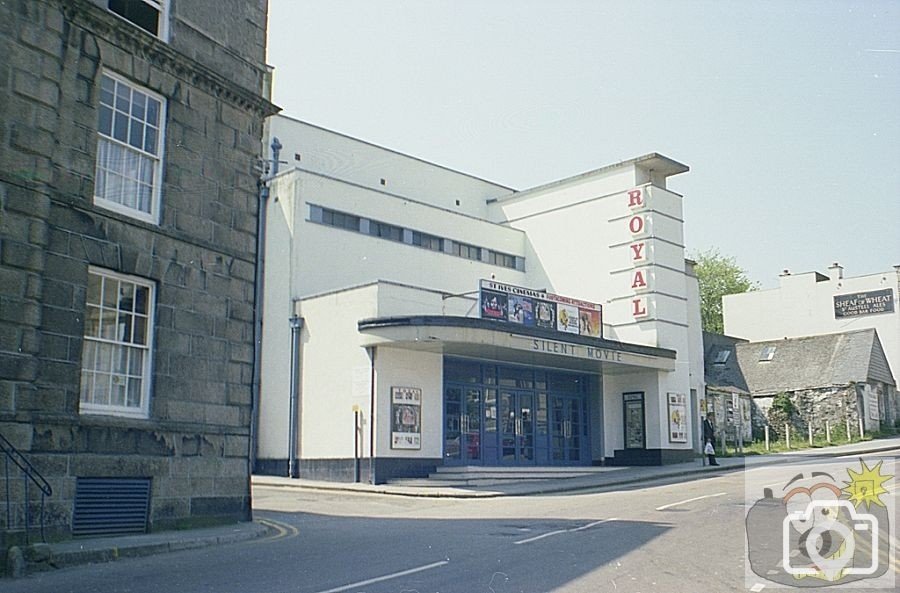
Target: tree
<point>718,275</point>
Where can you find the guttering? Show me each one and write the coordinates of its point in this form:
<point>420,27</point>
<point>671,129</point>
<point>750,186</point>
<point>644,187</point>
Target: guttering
<point>258,285</point>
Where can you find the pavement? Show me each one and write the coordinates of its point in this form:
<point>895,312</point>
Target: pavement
<point>84,551</point>
<point>596,478</point>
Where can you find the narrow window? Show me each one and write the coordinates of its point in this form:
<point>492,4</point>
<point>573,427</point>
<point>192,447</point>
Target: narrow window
<point>117,347</point>
<point>129,157</point>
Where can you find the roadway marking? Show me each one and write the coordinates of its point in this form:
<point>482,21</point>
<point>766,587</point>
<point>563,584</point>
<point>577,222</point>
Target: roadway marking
<point>387,577</point>
<point>283,530</point>
<point>558,531</point>
<point>680,502</point>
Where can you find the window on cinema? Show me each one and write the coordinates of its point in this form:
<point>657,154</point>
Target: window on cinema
<point>149,15</point>
<point>427,241</point>
<point>385,231</point>
<point>467,251</point>
<point>117,346</point>
<point>340,220</point>
<point>502,259</point>
<point>129,155</point>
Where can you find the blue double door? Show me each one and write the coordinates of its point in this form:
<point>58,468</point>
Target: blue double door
<point>515,427</point>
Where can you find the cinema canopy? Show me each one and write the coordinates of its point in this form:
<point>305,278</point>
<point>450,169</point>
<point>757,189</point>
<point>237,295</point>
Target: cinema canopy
<point>418,317</point>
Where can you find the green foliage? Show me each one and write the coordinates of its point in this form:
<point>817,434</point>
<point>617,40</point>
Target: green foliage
<point>718,275</point>
<point>781,412</point>
<point>783,404</point>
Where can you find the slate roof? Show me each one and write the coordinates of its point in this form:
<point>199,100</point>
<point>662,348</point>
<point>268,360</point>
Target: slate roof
<point>727,375</point>
<point>810,362</point>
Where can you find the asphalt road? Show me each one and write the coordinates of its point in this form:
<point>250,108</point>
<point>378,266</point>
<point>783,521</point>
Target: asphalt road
<point>673,536</point>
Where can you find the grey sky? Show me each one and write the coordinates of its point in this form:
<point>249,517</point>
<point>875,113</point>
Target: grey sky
<point>787,112</point>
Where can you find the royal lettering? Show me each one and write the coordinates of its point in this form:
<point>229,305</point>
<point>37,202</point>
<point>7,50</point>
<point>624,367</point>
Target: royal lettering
<point>637,251</point>
<point>639,307</point>
<point>636,224</point>
<point>635,198</point>
<point>639,282</point>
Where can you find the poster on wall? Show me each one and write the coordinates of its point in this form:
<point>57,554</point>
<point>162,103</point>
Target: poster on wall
<point>567,318</point>
<point>538,308</point>
<point>677,418</point>
<point>406,418</point>
<point>589,322</point>
<point>521,310</point>
<point>634,420</point>
<point>545,315</point>
<point>494,305</point>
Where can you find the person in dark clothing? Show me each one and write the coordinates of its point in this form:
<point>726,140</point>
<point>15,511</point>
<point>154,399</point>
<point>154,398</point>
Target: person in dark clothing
<point>709,438</point>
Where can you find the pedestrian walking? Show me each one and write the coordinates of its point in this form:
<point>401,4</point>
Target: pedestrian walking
<point>709,437</point>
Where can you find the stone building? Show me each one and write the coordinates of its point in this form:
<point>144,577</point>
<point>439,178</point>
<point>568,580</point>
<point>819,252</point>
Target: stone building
<point>831,379</point>
<point>130,137</point>
<point>728,401</point>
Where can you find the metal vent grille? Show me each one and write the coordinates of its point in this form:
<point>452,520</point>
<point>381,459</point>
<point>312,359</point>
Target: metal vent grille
<point>111,506</point>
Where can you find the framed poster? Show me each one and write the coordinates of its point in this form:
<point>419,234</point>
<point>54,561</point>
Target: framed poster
<point>677,418</point>
<point>406,418</point>
<point>634,420</point>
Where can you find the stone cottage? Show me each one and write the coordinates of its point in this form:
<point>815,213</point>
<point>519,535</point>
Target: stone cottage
<point>836,380</point>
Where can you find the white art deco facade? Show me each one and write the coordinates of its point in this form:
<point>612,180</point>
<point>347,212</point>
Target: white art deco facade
<point>441,319</point>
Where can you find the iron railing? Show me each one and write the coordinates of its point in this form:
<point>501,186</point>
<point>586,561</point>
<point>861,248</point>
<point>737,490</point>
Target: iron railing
<point>29,475</point>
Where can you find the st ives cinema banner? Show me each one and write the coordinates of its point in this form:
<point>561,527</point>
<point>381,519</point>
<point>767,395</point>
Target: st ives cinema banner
<point>534,308</point>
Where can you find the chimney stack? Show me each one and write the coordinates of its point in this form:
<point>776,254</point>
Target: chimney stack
<point>837,271</point>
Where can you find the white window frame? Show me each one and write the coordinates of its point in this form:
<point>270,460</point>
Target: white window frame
<point>163,24</point>
<point>156,192</point>
<point>89,376</point>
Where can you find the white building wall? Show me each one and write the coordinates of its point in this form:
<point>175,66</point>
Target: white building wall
<point>406,368</point>
<point>327,258</point>
<point>335,371</point>
<point>803,306</point>
<point>365,164</point>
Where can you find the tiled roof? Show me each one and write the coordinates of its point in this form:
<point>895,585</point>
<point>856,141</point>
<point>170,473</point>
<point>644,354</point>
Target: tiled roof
<point>812,362</point>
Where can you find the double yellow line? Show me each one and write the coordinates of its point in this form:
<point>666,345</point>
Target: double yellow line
<point>282,531</point>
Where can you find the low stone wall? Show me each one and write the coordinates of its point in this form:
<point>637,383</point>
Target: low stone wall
<point>820,408</point>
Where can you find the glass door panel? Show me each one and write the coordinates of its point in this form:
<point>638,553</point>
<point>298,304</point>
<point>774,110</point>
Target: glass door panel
<point>568,430</point>
<point>489,449</point>
<point>471,426</point>
<point>452,424</point>
<point>517,427</point>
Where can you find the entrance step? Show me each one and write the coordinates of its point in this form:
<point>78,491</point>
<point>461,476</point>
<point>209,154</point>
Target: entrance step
<point>461,477</point>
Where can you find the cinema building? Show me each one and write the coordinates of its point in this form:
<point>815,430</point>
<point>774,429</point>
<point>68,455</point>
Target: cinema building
<point>416,316</point>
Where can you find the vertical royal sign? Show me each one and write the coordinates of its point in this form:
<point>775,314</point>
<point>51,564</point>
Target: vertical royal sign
<point>638,251</point>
